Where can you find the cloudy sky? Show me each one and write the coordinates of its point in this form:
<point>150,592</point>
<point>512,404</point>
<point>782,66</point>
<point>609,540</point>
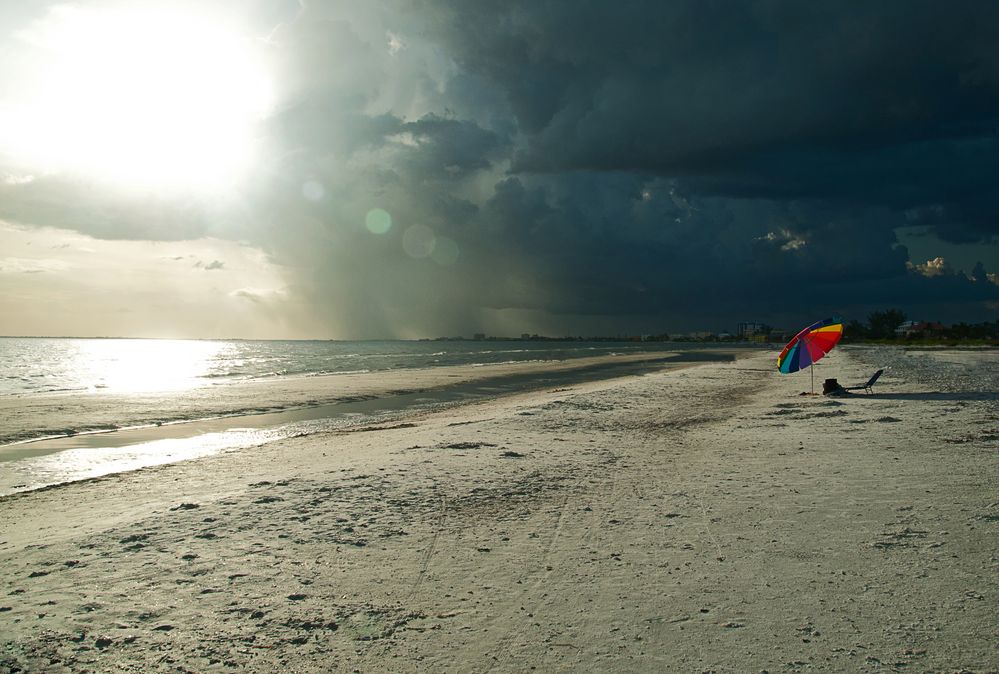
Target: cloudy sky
<point>389,168</point>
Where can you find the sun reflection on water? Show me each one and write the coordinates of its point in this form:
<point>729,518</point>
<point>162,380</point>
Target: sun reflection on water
<point>146,365</point>
<point>84,463</point>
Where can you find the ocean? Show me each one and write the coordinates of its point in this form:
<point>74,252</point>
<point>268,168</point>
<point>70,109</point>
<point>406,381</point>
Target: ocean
<point>38,365</point>
<point>79,408</point>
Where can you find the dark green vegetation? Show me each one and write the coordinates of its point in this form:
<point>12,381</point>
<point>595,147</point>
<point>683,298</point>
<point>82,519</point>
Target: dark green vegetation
<point>891,326</point>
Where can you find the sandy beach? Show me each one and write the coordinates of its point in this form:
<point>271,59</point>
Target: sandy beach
<point>706,518</point>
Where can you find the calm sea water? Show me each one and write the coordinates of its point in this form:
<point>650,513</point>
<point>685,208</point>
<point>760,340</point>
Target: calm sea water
<point>35,365</point>
<point>136,403</point>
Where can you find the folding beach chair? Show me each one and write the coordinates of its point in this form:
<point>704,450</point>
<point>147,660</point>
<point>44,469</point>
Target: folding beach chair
<point>868,386</point>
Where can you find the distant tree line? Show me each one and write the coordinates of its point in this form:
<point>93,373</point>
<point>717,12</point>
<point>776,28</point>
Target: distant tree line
<point>882,325</point>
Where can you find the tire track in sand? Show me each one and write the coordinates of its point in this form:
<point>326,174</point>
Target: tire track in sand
<point>547,570</point>
<point>429,553</point>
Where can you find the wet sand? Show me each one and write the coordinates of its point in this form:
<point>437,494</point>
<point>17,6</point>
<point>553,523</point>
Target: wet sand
<point>37,415</point>
<point>707,518</point>
<point>146,429</point>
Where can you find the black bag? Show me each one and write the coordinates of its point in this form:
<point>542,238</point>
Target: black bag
<point>830,386</point>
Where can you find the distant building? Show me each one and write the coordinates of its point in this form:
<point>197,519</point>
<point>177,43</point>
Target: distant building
<point>749,329</point>
<point>919,329</point>
<point>479,336</point>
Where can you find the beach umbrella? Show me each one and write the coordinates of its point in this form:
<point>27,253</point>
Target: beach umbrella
<point>809,345</point>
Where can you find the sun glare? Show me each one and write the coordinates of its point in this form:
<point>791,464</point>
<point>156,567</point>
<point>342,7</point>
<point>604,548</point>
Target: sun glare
<point>129,366</point>
<point>142,97</point>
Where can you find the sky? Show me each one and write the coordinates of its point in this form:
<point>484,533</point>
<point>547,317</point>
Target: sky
<point>422,168</point>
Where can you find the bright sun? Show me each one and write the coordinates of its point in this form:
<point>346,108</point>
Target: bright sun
<point>153,98</point>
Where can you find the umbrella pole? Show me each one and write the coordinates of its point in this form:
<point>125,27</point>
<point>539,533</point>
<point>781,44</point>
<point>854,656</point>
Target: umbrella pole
<point>812,371</point>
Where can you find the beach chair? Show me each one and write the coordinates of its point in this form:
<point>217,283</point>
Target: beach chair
<point>868,386</point>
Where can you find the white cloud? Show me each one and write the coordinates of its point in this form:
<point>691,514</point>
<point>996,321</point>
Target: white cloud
<point>21,265</point>
<point>259,294</point>
<point>395,43</point>
<point>788,240</point>
<point>53,285</point>
<point>938,266</point>
<point>22,179</point>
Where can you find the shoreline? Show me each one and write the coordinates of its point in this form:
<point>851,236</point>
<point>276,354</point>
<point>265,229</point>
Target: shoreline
<point>44,461</point>
<point>29,416</point>
<point>688,519</point>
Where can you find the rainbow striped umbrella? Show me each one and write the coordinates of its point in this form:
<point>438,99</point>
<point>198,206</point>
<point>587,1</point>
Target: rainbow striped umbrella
<point>810,345</point>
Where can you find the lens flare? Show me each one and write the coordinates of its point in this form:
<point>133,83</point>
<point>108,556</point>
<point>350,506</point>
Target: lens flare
<point>378,221</point>
<point>419,241</point>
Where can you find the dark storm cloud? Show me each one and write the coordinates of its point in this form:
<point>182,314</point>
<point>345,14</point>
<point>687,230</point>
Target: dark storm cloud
<point>647,165</point>
<point>456,147</point>
<point>891,103</point>
<point>735,151</point>
<point>618,245</point>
